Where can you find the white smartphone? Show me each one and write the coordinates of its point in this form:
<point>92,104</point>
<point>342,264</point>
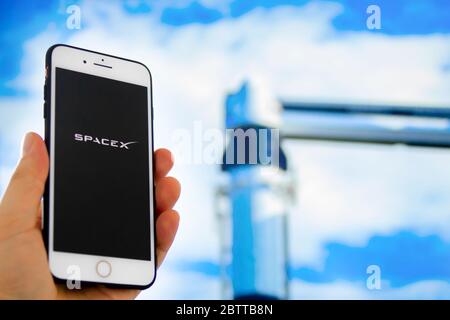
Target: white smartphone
<point>99,219</point>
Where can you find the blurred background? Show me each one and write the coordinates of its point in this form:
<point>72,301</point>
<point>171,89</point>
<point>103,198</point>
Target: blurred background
<point>358,220</point>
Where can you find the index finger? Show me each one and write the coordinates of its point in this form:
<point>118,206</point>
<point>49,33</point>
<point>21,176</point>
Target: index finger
<point>163,163</point>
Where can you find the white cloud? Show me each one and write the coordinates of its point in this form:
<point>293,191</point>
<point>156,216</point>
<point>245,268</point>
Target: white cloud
<point>171,284</point>
<point>345,290</point>
<point>348,193</point>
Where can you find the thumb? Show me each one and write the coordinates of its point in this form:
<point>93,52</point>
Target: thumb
<point>23,195</point>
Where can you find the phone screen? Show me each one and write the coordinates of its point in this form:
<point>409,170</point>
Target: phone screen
<point>101,160</point>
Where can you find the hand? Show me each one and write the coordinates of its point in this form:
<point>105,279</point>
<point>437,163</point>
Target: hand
<point>24,269</point>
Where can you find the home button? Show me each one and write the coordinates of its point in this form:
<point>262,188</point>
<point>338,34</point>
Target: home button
<point>103,268</point>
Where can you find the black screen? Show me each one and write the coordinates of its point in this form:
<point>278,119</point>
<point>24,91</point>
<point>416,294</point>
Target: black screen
<point>101,178</point>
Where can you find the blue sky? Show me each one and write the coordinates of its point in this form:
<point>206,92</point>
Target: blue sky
<point>421,258</point>
<point>20,20</point>
<point>289,41</point>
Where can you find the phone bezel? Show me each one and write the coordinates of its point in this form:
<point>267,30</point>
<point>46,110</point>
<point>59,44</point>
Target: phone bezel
<point>125,272</point>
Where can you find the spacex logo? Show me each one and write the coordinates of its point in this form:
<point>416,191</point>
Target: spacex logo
<point>104,141</point>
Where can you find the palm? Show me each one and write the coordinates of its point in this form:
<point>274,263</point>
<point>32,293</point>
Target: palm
<point>24,269</point>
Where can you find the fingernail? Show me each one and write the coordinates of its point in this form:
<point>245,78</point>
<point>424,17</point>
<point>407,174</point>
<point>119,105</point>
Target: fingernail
<point>27,144</point>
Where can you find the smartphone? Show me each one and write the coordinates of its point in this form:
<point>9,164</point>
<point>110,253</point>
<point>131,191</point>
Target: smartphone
<point>99,216</point>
